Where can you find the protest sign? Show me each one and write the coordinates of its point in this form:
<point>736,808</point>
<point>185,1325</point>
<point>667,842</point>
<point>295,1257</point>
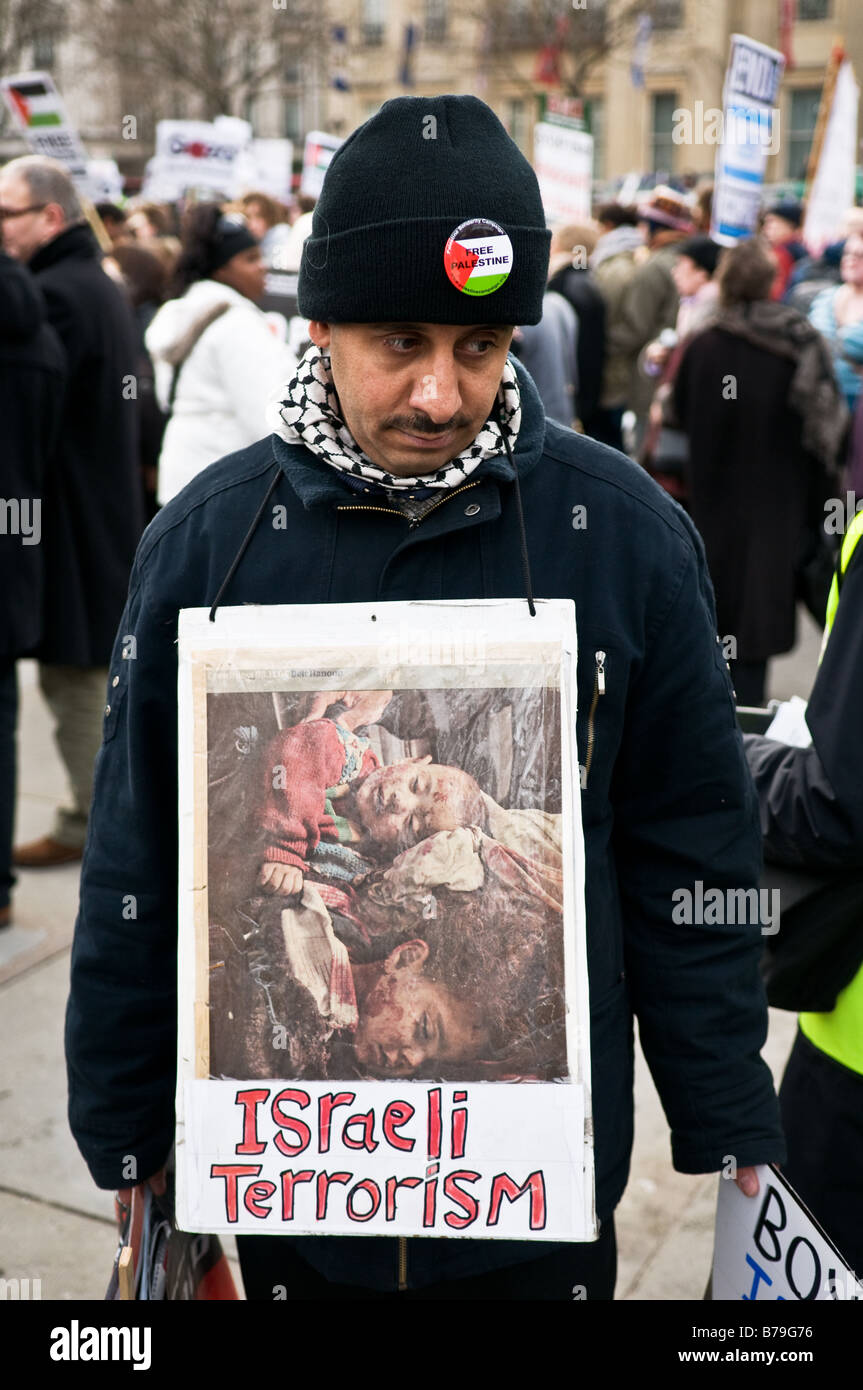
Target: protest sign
<point>384,1020</point>
<point>563,161</point>
<point>832,190</point>
<point>204,156</point>
<point>750,132</point>
<point>769,1248</point>
<point>272,162</point>
<point>38,112</point>
<point>105,180</point>
<point>319,150</point>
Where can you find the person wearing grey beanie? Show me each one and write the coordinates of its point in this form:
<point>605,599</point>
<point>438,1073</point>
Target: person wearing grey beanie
<point>409,459</point>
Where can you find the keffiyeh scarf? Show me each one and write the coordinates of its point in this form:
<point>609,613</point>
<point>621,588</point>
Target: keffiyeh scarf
<point>307,412</point>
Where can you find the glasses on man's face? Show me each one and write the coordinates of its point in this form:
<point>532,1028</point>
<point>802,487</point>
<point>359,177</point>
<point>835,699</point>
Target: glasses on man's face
<point>6,213</point>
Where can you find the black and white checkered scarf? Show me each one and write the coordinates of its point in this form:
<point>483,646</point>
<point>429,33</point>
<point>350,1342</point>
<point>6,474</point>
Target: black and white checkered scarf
<point>307,412</point>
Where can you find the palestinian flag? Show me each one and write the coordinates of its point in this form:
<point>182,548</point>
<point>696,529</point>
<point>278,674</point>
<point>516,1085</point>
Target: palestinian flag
<point>36,102</point>
<point>478,256</point>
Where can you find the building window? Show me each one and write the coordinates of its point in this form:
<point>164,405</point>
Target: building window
<point>667,14</point>
<point>373,21</point>
<point>43,52</point>
<point>664,104</point>
<point>434,26</point>
<point>813,9</point>
<point>596,107</point>
<point>802,118</point>
<point>292,123</point>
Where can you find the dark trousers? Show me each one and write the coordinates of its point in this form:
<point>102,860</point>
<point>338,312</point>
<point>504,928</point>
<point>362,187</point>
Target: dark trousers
<point>571,1272</point>
<point>822,1115</point>
<point>8,752</point>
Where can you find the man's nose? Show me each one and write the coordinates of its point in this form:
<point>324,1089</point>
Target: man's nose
<point>406,1058</point>
<point>436,390</point>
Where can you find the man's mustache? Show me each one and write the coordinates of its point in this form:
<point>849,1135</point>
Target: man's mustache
<point>421,424</point>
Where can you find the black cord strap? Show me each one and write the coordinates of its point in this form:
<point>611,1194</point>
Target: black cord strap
<point>246,539</point>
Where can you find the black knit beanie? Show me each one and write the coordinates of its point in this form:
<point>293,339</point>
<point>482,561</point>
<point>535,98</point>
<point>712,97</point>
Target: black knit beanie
<point>702,251</point>
<point>230,237</point>
<point>429,213</point>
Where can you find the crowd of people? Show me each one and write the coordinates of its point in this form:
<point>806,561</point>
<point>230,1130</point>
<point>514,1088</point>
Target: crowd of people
<point>730,375</point>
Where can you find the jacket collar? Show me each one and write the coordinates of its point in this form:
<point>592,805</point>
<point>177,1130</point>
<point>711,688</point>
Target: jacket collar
<point>73,243</point>
<point>317,484</point>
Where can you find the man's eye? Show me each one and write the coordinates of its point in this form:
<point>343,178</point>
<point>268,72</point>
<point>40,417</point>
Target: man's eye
<point>480,347</point>
<point>400,344</point>
<point>425,1028</point>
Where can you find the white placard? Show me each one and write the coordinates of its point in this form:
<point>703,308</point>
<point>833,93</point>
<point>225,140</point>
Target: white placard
<point>563,161</point>
<point>398,1041</point>
<point>768,1248</point>
<point>38,111</point>
<point>317,153</point>
<point>272,161</point>
<point>750,133</point>
<point>206,156</point>
<point>833,187</point>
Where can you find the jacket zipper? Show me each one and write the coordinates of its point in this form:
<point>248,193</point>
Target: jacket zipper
<point>598,689</point>
<point>403,1264</point>
<point>391,511</point>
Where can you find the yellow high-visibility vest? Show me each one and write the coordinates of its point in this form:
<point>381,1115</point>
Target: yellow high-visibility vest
<point>840,1032</point>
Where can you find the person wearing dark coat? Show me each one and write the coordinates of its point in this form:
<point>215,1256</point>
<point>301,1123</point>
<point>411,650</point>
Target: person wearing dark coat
<point>93,514</point>
<point>571,248</point>
<point>32,373</point>
<point>758,399</point>
<point>375,512</point>
<point>811,803</point>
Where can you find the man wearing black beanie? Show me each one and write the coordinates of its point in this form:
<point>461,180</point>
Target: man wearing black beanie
<point>409,458</point>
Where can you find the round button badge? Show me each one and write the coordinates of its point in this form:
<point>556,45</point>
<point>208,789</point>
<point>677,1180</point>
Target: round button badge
<point>478,256</point>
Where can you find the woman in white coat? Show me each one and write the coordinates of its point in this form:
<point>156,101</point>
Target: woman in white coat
<point>216,357</point>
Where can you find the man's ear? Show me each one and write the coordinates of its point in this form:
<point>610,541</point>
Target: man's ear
<point>410,955</point>
<point>320,333</point>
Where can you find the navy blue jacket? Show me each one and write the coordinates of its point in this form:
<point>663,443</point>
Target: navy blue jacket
<point>667,799</point>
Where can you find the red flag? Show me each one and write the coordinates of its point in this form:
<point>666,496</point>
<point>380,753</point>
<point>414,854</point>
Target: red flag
<point>787,16</point>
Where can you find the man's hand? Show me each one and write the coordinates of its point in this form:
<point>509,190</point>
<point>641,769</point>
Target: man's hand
<point>283,879</point>
<point>747,1181</point>
<point>156,1184</point>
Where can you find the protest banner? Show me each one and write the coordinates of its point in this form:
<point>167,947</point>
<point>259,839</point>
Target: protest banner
<point>832,186</point>
<point>105,180</point>
<point>383,1022</point>
<point>37,110</point>
<point>563,162</point>
<point>750,132</point>
<point>317,153</point>
<point>201,156</point>
<point>769,1247</point>
<point>272,162</point>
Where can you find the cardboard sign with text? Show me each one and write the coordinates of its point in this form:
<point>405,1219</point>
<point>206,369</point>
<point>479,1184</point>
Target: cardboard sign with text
<point>384,1021</point>
<point>769,1247</point>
